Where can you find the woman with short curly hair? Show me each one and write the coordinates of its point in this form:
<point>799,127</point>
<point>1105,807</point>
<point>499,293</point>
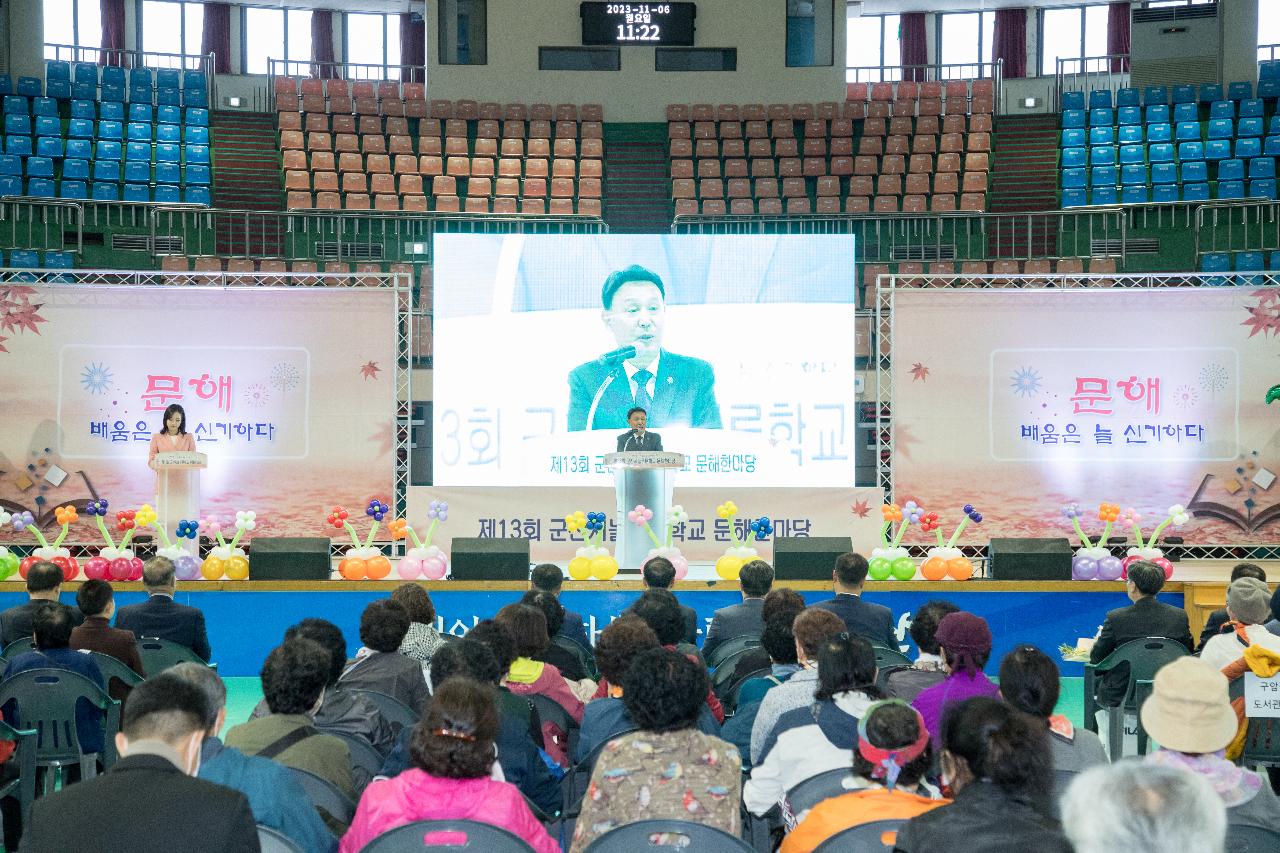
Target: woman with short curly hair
<point>423,639</point>
<point>453,754</point>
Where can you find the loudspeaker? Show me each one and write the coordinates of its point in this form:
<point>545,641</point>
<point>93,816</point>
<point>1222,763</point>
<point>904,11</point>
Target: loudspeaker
<point>489,560</point>
<point>304,558</point>
<point>808,558</point>
<point>1030,559</point>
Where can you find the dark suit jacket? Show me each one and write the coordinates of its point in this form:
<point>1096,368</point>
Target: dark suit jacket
<point>690,624</point>
<point>1212,628</point>
<point>574,629</point>
<point>144,805</point>
<point>390,673</point>
<point>684,394</point>
<point>729,623</point>
<point>871,621</point>
<point>651,441</point>
<point>1146,617</point>
<point>162,617</point>
<point>15,623</point>
<point>98,636</point>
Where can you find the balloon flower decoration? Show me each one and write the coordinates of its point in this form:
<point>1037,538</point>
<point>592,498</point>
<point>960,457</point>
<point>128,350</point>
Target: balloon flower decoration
<point>54,553</point>
<point>8,560</point>
<point>185,566</point>
<point>114,562</point>
<point>664,545</point>
<point>362,561</point>
<point>1175,515</point>
<point>891,559</point>
<point>424,559</point>
<point>739,553</point>
<point>1094,561</point>
<point>946,560</point>
<point>593,559</point>
<point>226,558</point>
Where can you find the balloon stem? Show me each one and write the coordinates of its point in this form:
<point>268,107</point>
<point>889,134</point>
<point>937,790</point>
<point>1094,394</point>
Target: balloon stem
<point>1106,533</point>
<point>417,543</point>
<point>902,531</point>
<point>128,535</point>
<point>884,533</point>
<point>938,533</point>
<point>1155,534</point>
<point>964,522</point>
<point>351,531</point>
<point>57,543</point>
<point>102,528</point>
<point>431,531</point>
<point>373,530</point>
<point>221,541</point>
<point>653,537</point>
<point>35,531</point>
<point>1137,534</point>
<point>235,540</point>
<point>1075,522</point>
<point>164,537</point>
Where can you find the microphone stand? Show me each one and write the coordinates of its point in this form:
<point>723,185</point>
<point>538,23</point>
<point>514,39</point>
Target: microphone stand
<point>595,401</point>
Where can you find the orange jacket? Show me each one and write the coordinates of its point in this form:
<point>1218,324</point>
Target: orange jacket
<point>853,809</point>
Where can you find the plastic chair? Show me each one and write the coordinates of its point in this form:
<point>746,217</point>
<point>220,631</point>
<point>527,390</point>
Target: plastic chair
<point>20,645</point>
<point>866,838</point>
<point>158,655</point>
<point>668,835</point>
<point>274,841</point>
<point>804,795</point>
<point>585,659</point>
<point>1155,95</point>
<point>1252,839</point>
<point>1162,132</point>
<point>1072,101</point>
<point>46,701</point>
<point>1073,158</point>
<point>1157,114</point>
<point>75,170</point>
<point>731,648</point>
<point>476,837</point>
<point>886,656</point>
<point>113,667</point>
<point>1073,119</point>
<point>1144,658</point>
<point>1128,96</point>
<point>573,787</point>
<point>325,796</point>
<point>361,751</point>
<point>392,709</point>
<point>1230,189</point>
<point>550,711</point>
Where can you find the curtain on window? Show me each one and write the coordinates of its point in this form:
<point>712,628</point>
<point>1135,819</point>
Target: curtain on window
<point>915,48</point>
<point>215,38</point>
<point>413,47</point>
<point>1118,35</point>
<point>322,44</point>
<point>112,32</point>
<point>1010,41</point>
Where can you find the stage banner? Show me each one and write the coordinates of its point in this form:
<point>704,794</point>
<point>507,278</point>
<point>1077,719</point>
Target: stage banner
<point>288,391</point>
<point>1012,400</point>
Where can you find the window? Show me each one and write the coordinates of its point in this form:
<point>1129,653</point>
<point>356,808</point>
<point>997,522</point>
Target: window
<point>172,28</point>
<point>464,32</point>
<point>809,37</point>
<point>1268,30</point>
<point>872,43</point>
<point>1071,34</point>
<point>273,34</point>
<point>77,22</point>
<point>373,39</point>
<point>967,38</point>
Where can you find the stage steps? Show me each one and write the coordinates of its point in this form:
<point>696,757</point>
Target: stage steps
<point>246,176</point>
<point>638,194</point>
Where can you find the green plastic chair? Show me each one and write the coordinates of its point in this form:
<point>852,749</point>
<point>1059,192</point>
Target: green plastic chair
<point>115,668</point>
<point>463,836</point>
<point>887,657</point>
<point>1145,658</point>
<point>325,796</point>
<point>274,841</point>
<point>865,838</point>
<point>158,655</point>
<point>23,788</point>
<point>730,700</point>
<point>585,658</point>
<point>362,753</point>
<point>17,647</point>
<point>722,680</point>
<point>667,835</point>
<point>392,709</point>
<point>46,701</point>
<point>729,649</point>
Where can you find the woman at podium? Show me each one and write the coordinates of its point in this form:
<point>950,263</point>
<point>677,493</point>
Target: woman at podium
<point>173,435</point>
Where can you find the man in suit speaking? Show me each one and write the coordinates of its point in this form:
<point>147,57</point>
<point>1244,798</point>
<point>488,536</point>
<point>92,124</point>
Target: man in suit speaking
<point>638,438</point>
<point>673,389</point>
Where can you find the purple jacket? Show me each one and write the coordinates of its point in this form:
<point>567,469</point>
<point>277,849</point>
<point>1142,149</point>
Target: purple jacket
<point>932,702</point>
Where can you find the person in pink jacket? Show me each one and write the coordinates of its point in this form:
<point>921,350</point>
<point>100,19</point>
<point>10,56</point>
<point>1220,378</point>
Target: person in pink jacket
<point>452,751</point>
<point>172,436</point>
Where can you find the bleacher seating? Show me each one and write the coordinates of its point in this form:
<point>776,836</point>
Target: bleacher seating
<point>1208,146</point>
<point>891,147</point>
<point>180,269</point>
<point>77,141</point>
<point>357,145</point>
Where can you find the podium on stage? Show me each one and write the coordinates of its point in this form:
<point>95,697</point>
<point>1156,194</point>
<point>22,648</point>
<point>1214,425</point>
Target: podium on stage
<point>178,490</point>
<point>641,477</point>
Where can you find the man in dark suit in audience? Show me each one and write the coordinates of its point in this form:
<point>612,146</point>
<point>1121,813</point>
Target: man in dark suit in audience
<point>741,620</point>
<point>547,577</point>
<point>873,622</point>
<point>97,603</point>
<point>1218,618</point>
<point>659,573</point>
<point>162,617</point>
<point>44,584</point>
<point>148,802</point>
<point>1145,617</point>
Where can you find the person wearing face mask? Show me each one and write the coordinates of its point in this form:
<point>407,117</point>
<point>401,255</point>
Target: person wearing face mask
<point>149,802</point>
<point>673,389</point>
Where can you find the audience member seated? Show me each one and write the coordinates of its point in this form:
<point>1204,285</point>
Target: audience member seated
<point>784,604</point>
<point>378,665</point>
<point>660,573</point>
<point>277,799</point>
<point>873,621</point>
<point>660,610</point>
<point>497,639</point>
<point>1273,625</point>
<point>997,763</point>
<point>822,736</point>
<point>453,754</point>
<point>1030,682</point>
<point>668,769</point>
<point>929,667</point>
<point>563,659</point>
<point>341,710</point>
<point>1137,808</point>
<point>1146,617</point>
<point>148,802</point>
<point>780,644</point>
<point>1217,620</point>
<point>52,633</point>
<point>1189,715</point>
<point>965,641</point>
<point>741,620</point>
<point>889,767</point>
<point>547,577</point>
<point>44,584</point>
<point>812,628</point>
<point>293,680</point>
<point>162,617</point>
<point>527,676</point>
<point>1249,607</point>
<point>423,640</point>
<point>97,603</point>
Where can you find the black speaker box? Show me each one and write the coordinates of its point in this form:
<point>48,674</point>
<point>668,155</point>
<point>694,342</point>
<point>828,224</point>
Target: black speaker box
<point>1030,559</point>
<point>808,558</point>
<point>304,558</point>
<point>489,560</point>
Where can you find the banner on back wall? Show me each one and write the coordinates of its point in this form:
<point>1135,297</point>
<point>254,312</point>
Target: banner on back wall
<point>287,417</point>
<point>1011,401</point>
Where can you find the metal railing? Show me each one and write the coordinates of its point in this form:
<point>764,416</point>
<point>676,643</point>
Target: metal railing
<point>1239,227</point>
<point>925,73</point>
<point>1268,53</point>
<point>374,72</point>
<point>42,224</point>
<point>1086,73</point>
<point>202,62</point>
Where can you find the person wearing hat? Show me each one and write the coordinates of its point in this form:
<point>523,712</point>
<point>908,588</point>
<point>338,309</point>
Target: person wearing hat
<point>1218,619</point>
<point>965,641</point>
<point>1189,714</point>
<point>1248,606</point>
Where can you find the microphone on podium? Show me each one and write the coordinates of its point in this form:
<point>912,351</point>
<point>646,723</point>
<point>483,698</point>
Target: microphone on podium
<point>617,355</point>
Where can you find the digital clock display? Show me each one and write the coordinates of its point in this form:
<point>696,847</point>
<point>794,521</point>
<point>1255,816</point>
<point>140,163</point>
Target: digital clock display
<point>638,23</point>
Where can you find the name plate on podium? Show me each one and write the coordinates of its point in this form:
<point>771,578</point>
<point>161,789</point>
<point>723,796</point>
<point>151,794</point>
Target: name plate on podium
<point>181,459</point>
<point>645,459</point>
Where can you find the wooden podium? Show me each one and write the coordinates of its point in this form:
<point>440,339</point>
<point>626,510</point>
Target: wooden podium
<point>178,491</point>
<point>641,477</point>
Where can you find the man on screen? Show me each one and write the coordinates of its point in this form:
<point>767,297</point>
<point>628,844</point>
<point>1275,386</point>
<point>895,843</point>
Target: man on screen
<point>673,389</point>
<point>638,438</point>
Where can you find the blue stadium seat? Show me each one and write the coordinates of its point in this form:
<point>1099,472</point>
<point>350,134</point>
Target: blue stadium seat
<point>107,149</point>
<point>139,151</point>
<point>106,192</point>
<point>137,192</point>
<point>1262,189</point>
<point>139,94</point>
<point>106,170</point>
<point>1074,198</point>
<point>1164,173</point>
<point>168,78</point>
<point>140,76</point>
<point>6,84</point>
<point>1210,92</point>
<point>1219,128</point>
<point>1162,193</point>
<point>1269,70</point>
<point>137,172</point>
<point>1158,113</point>
<point>1249,127</point>
<point>1222,109</point>
<point>85,72</point>
<point>1130,134</point>
<point>39,167</point>
<point>10,185</point>
<point>1231,170</point>
<point>1131,154</point>
<point>1073,118</point>
<point>1239,90</point>
<point>29,87</point>
<point>24,259</point>
<point>49,146</point>
<point>1247,148</point>
<point>42,187</point>
<point>77,170</point>
<point>1103,195</point>
<point>1129,115</point>
<point>1134,195</point>
<point>1105,135</point>
<point>1073,138</point>
<point>171,97</point>
<point>195,154</point>
<point>1268,88</point>
<point>1190,151</point>
<point>195,134</point>
<point>1073,178</point>
<point>198,176</point>
<point>81,148</point>
<point>168,153</point>
<point>110,130</point>
<point>110,110</point>
<point>140,112</point>
<point>1217,149</point>
<point>1249,262</point>
<point>1251,108</point>
<point>57,69</point>
<point>168,173</point>
<point>1275,260</point>
<point>1102,117</point>
<point>1230,189</point>
<point>112,93</point>
<point>1194,173</point>
<point>1184,94</point>
<point>139,131</point>
<point>1215,262</point>
<point>1262,167</point>
<point>17,124</point>
<point>18,145</point>
<point>168,133</point>
<point>198,195</point>
<point>1102,155</point>
<point>1161,132</point>
<point>1186,112</point>
<point>1100,99</point>
<point>194,80</point>
<point>84,109</point>
<point>1128,97</point>
<point>1133,175</point>
<point>10,164</point>
<point>44,107</point>
<point>84,91</point>
<point>113,75</point>
<point>1102,176</point>
<point>59,261</point>
<point>1155,95</point>
<point>1271,146</point>
<point>195,98</point>
<point>73,189</point>
<point>197,116</point>
<point>168,194</point>
<point>1073,101</point>
<point>168,114</point>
